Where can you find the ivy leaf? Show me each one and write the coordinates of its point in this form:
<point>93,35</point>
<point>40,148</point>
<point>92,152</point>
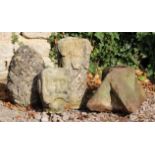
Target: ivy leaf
<point>142,78</point>
<point>92,68</point>
<point>99,36</point>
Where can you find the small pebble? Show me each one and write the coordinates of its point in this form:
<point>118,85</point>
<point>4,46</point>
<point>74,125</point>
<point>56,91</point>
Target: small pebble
<point>65,117</point>
<point>38,116</point>
<point>44,117</point>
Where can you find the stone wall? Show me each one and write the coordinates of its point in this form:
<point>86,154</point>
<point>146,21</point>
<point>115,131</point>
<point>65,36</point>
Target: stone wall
<point>6,53</point>
<point>36,40</point>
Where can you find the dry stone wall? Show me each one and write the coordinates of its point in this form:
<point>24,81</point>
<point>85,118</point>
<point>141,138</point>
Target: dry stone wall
<point>36,40</point>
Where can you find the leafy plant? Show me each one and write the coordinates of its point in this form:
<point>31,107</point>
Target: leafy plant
<point>136,49</point>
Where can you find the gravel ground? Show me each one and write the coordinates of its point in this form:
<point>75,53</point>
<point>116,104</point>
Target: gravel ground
<point>146,113</point>
<point>13,113</point>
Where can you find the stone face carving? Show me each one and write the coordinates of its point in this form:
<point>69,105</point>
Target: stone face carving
<point>75,55</point>
<point>119,91</point>
<point>64,87</point>
<point>53,88</point>
<point>24,68</point>
<point>75,52</point>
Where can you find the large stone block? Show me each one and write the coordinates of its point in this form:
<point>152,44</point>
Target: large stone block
<point>39,45</point>
<point>75,52</point>
<point>73,65</point>
<point>119,91</point>
<point>53,88</point>
<point>24,68</point>
<point>75,55</point>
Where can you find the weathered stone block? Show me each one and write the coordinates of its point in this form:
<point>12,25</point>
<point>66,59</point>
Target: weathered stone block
<point>53,89</point>
<point>119,91</point>
<point>39,45</point>
<point>24,68</point>
<point>75,55</point>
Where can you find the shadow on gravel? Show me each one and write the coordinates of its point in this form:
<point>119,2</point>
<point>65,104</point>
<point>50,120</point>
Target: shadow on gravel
<point>5,98</point>
<point>38,107</point>
<point>87,95</point>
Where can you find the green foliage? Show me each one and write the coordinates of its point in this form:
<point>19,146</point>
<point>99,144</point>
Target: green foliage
<point>136,49</point>
<point>14,38</point>
<point>53,42</point>
<point>92,68</point>
<point>146,42</point>
<point>142,78</point>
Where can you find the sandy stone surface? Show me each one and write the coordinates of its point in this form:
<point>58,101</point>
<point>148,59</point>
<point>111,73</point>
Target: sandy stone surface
<point>5,37</point>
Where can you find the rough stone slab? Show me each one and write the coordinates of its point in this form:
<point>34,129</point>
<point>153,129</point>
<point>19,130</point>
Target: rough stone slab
<point>101,101</point>
<point>24,68</point>
<point>36,35</point>
<point>119,91</point>
<point>75,54</point>
<point>39,45</point>
<point>5,37</point>
<point>53,89</point>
